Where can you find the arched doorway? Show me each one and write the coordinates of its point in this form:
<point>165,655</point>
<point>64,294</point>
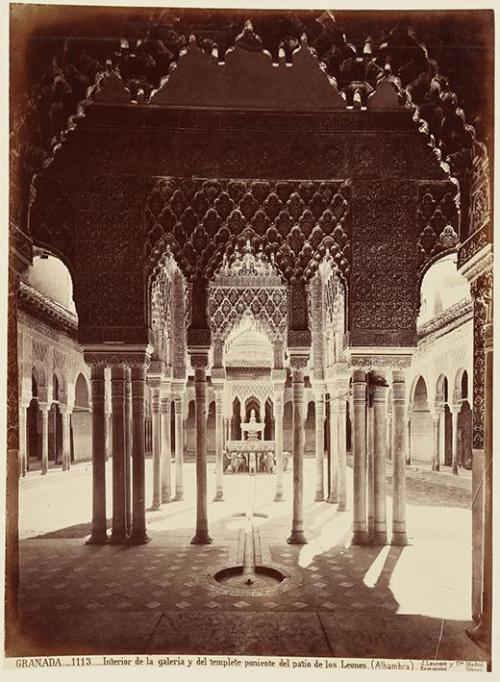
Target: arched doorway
<point>268,420</point>
<point>81,422</point>
<point>421,424</point>
<point>464,422</point>
<point>236,420</point>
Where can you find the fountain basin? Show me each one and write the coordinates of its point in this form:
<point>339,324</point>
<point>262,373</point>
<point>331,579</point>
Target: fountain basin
<point>264,577</point>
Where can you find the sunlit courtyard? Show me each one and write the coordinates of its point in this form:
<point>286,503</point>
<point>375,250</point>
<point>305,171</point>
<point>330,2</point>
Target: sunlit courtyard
<point>162,597</point>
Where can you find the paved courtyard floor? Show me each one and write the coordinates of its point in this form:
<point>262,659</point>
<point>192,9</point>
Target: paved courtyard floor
<point>338,600</point>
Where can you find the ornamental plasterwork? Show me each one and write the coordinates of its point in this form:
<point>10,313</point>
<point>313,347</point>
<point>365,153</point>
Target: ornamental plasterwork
<point>248,283</point>
<point>262,390</point>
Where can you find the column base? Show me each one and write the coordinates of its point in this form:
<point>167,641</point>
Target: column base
<point>297,537</point>
<point>178,498</point>
<point>399,539</point>
<point>219,497</point>
<point>319,497</point>
<point>379,538</point>
<point>435,467</point>
<point>332,499</point>
<point>278,497</point>
<point>359,537</point>
<point>118,538</point>
<point>98,538</point>
<point>342,506</point>
<point>156,506</point>
<point>139,537</point>
<point>166,500</point>
<point>201,539</point>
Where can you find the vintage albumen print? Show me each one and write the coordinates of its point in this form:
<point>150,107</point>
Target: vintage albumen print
<point>250,339</point>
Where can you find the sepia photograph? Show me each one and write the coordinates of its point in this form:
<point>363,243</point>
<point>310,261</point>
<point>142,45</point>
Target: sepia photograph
<point>249,339</point>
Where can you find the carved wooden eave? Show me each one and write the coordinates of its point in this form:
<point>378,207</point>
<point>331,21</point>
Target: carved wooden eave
<point>450,319</point>
<point>47,310</point>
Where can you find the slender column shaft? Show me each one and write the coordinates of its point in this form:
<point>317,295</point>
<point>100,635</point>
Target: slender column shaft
<point>389,436</point>
<point>342,458</point>
<point>320,447</point>
<point>23,454</point>
<point>379,453</point>
<point>219,464</point>
<point>359,457</point>
<point>128,450</point>
<point>297,536</point>
<point>200,389</point>
<point>278,416</point>
<point>166,451</point>
<point>156,447</point>
<point>398,459</point>
<point>119,528</point>
<point>454,446</point>
<point>139,535</point>
<point>179,450</point>
<point>436,438</point>
<point>408,439</point>
<point>66,415</point>
<point>99,526</point>
<point>334,450</point>
<point>370,491</point>
<point>45,437</point>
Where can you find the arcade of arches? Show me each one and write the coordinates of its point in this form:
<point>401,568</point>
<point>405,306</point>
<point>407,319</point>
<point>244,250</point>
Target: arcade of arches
<point>341,301</point>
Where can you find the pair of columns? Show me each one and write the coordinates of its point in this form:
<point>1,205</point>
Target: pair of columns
<point>438,436</point>
<point>44,408</point>
<point>369,458</point>
<point>128,379</point>
<point>162,453</point>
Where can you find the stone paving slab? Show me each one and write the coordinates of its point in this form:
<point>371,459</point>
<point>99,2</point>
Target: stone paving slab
<point>245,634</point>
<point>85,633</point>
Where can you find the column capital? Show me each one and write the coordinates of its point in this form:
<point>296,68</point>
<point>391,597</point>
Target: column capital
<point>299,357</point>
<point>125,355</point>
<point>198,356</point>
<point>43,406</point>
<point>376,358</point>
<point>154,382</point>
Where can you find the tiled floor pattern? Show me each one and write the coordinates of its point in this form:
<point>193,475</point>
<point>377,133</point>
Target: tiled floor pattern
<point>162,597</point>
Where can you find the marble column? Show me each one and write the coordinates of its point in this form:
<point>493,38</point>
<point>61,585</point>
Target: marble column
<point>454,442</point>
<point>334,448</point>
<point>319,407</point>
<point>66,416</point>
<point>359,457</point>
<point>219,426</point>
<point>166,448</point>
<point>128,450</point>
<point>342,457</point>
<point>138,377</point>
<point>278,418</point>
<point>398,459</point>
<point>119,527</point>
<point>298,364</point>
<point>97,391</point>
<point>156,442</point>
<point>379,457</point>
<point>45,408</point>
<point>370,490</point>
<point>408,434</point>
<point>389,435</point>
<point>436,436</point>
<point>23,444</point>
<point>179,448</point>
<point>199,362</point>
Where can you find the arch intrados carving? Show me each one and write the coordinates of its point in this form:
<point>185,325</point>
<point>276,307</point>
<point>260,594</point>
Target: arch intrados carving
<point>458,381</point>
<point>279,216</point>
